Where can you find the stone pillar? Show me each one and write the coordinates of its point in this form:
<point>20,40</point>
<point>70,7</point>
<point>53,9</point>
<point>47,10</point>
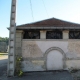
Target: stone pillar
<point>19,42</point>
<point>42,34</point>
<point>11,55</point>
<point>65,34</point>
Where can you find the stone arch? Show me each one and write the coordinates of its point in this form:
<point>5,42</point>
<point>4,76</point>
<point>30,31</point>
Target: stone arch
<point>51,49</point>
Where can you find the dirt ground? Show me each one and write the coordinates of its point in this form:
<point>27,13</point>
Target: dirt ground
<point>3,57</point>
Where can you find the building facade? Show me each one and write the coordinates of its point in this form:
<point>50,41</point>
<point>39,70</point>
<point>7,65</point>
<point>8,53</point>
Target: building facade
<point>50,44</point>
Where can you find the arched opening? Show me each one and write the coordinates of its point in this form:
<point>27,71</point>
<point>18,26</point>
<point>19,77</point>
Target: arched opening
<point>54,59</point>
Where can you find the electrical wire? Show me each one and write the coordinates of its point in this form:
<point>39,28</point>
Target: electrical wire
<point>45,8</point>
<point>31,10</point>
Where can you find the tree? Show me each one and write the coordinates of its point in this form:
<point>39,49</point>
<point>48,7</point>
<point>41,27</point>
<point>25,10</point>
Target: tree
<point>4,39</point>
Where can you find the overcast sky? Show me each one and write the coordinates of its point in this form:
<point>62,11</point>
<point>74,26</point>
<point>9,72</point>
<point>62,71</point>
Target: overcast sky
<point>68,10</point>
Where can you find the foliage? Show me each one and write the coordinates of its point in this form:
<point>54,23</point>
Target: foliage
<point>18,66</point>
<point>73,70</point>
<point>4,39</point>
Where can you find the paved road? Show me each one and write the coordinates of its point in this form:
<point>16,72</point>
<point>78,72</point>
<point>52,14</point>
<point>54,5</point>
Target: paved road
<point>64,75</point>
<point>3,67</point>
<point>53,75</point>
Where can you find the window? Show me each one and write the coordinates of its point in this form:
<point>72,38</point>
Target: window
<point>54,35</point>
<point>31,35</point>
<point>74,34</point>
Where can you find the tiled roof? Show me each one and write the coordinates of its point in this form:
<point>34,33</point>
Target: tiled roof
<point>52,22</point>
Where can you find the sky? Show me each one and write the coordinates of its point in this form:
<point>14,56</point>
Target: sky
<point>68,10</point>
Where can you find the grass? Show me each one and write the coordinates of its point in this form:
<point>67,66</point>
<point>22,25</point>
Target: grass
<point>2,54</point>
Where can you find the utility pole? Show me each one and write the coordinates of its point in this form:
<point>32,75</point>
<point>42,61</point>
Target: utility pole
<point>12,32</point>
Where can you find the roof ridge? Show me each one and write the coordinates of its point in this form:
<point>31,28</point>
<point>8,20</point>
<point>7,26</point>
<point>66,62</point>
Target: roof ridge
<point>50,22</point>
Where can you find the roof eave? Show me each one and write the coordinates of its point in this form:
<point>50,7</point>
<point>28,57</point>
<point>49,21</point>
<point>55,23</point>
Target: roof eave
<point>48,27</point>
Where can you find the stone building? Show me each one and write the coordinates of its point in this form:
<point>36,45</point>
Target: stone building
<point>3,47</point>
<point>50,44</point>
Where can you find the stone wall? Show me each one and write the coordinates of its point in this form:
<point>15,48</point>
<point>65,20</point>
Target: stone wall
<point>33,53</point>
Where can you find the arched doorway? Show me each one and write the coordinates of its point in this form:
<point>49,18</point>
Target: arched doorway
<point>55,59</point>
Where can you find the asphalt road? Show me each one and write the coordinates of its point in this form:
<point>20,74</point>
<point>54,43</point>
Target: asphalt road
<point>3,67</point>
<point>53,75</point>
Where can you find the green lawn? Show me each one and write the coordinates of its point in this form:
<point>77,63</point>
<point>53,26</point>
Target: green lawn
<point>3,53</point>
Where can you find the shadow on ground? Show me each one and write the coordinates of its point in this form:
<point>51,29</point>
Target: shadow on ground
<point>51,75</point>
<point>3,67</point>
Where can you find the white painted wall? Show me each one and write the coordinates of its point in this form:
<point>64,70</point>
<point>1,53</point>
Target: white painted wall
<point>32,50</point>
<point>74,64</point>
<point>35,65</point>
<point>44,45</point>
